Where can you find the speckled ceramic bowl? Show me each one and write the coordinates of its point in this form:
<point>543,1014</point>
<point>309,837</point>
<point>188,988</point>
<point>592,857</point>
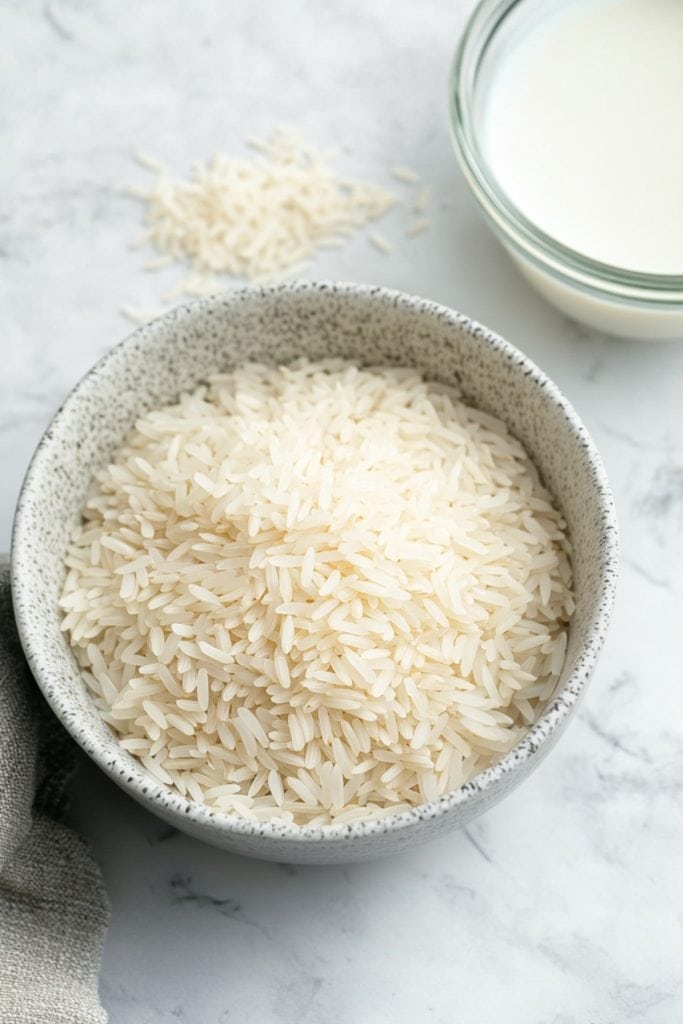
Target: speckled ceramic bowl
<point>370,325</point>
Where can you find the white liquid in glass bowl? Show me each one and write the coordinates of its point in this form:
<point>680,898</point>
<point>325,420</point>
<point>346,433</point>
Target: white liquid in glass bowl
<point>582,125</point>
<point>568,123</point>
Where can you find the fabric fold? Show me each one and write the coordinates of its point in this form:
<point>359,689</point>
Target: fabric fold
<point>53,907</point>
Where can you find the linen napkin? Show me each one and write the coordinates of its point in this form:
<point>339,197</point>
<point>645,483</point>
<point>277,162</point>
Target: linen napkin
<point>53,906</point>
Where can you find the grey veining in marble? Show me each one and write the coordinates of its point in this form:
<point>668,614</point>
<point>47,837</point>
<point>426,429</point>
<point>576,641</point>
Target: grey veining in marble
<point>561,906</point>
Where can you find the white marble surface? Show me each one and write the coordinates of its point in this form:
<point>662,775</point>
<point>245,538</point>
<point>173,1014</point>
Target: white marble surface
<point>564,905</point>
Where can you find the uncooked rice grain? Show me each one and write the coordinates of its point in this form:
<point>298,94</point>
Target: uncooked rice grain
<point>259,218</point>
<point>405,174</point>
<point>417,227</point>
<point>318,594</point>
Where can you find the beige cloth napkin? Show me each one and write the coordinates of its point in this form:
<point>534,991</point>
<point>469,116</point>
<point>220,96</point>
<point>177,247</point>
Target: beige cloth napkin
<point>53,907</point>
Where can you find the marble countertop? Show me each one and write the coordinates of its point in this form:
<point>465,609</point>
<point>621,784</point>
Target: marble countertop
<point>563,905</point>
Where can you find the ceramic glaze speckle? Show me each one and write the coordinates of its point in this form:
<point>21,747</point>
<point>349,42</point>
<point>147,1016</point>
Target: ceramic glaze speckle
<point>370,326</point>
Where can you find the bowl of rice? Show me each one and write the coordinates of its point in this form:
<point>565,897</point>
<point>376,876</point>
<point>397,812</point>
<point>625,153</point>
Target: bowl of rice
<point>317,571</point>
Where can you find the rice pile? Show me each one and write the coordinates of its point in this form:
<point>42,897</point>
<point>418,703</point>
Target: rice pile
<point>316,593</point>
<point>255,218</point>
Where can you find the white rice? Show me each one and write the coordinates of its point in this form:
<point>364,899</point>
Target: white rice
<point>417,227</point>
<point>318,594</point>
<point>257,218</point>
<point>379,242</point>
<point>405,174</point>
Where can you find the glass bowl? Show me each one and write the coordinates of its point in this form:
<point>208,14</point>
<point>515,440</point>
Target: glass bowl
<point>608,298</point>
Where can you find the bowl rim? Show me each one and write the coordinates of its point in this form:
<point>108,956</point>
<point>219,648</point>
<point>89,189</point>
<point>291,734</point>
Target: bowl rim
<point>131,775</point>
<point>630,287</point>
